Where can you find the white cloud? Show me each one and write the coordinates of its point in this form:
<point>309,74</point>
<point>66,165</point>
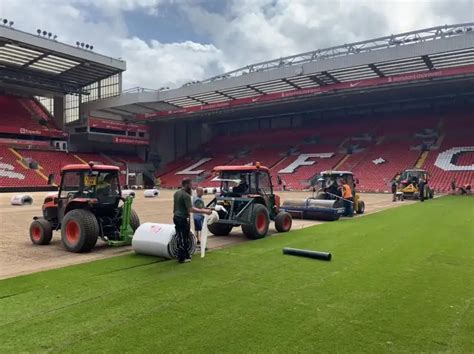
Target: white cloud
<point>155,63</point>
<point>256,30</point>
<point>247,32</point>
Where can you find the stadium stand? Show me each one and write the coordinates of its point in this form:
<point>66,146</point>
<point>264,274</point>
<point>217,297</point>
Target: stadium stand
<point>376,150</point>
<point>15,173</point>
<point>20,116</point>
<point>441,177</point>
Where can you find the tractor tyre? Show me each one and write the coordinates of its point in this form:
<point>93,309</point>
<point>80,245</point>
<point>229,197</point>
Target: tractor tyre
<point>220,229</point>
<point>360,207</point>
<point>41,232</point>
<point>79,231</point>
<point>283,221</point>
<point>259,223</point>
<point>134,220</point>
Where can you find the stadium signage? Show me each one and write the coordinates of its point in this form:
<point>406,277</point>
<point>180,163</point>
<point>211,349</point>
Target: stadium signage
<point>129,141</point>
<point>23,142</point>
<point>446,160</point>
<point>317,90</point>
<point>39,132</point>
<point>116,125</point>
<point>190,170</point>
<point>303,160</point>
<point>8,171</point>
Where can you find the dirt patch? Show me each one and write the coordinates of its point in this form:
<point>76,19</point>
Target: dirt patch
<point>18,256</point>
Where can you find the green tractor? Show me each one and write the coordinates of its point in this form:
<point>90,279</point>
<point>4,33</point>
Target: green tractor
<point>88,205</point>
<point>247,200</point>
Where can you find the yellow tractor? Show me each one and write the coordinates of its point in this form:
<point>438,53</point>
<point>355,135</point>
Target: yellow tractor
<point>409,184</point>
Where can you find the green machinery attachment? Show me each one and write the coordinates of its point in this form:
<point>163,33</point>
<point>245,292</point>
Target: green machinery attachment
<point>126,231</point>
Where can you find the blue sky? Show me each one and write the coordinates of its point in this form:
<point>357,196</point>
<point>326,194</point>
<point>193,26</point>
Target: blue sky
<point>170,42</point>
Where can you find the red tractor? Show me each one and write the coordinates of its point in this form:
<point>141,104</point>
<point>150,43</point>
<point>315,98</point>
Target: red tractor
<point>246,194</point>
<point>88,205</point>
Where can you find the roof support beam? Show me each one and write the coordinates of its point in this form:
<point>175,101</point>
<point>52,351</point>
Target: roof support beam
<point>197,99</point>
<point>428,62</point>
<point>376,70</point>
<point>255,89</point>
<point>144,106</point>
<point>330,77</point>
<point>291,84</point>
<point>317,80</point>
<point>225,95</point>
<point>38,58</point>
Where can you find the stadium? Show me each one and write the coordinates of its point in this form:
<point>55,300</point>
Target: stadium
<point>400,278</point>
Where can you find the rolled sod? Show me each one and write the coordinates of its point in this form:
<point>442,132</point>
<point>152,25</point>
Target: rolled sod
<point>307,253</point>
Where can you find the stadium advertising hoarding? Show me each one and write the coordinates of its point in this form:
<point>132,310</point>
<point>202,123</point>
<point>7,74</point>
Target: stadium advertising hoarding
<point>5,141</point>
<point>356,84</point>
<point>116,125</point>
<point>129,141</point>
<point>52,133</point>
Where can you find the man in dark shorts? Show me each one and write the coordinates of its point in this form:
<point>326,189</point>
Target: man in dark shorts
<point>182,208</point>
<point>198,203</point>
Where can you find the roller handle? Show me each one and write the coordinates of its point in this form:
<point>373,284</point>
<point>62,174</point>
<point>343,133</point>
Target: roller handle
<point>307,253</point>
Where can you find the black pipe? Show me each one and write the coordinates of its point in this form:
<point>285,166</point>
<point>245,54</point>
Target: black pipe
<point>307,253</point>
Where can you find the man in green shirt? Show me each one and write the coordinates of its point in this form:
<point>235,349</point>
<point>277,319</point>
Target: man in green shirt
<point>182,208</point>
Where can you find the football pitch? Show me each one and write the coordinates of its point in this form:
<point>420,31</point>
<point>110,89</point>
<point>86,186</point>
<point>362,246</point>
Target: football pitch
<point>399,280</point>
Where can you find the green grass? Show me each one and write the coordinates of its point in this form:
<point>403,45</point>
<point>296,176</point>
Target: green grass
<point>400,280</point>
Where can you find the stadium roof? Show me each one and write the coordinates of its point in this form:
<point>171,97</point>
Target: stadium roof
<point>429,50</point>
<point>43,63</point>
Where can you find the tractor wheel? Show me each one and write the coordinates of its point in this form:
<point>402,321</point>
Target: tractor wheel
<point>41,232</point>
<point>283,221</point>
<point>259,223</point>
<point>220,229</point>
<point>360,207</point>
<point>134,220</point>
<point>79,231</point>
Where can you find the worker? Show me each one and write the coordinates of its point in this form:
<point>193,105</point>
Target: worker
<point>453,186</point>
<point>348,199</point>
<point>465,189</point>
<point>421,189</point>
<point>394,190</point>
<point>198,203</point>
<point>182,208</point>
<point>242,188</point>
<point>104,187</point>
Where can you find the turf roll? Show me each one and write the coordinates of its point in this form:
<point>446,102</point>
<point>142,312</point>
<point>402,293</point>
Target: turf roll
<point>307,253</point>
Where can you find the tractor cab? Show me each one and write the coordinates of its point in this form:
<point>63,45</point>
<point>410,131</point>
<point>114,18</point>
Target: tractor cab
<point>88,206</point>
<point>413,176</point>
<point>246,194</point>
<point>327,186</point>
<point>89,186</point>
<point>409,184</point>
<point>327,183</point>
<point>244,181</point>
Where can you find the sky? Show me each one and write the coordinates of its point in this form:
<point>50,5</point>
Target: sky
<point>167,43</point>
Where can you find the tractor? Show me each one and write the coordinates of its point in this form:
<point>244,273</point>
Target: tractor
<point>409,184</point>
<point>87,206</point>
<point>247,200</point>
<point>326,202</point>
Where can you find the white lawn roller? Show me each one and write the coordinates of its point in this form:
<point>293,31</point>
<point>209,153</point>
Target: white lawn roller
<point>128,193</point>
<point>151,193</point>
<point>21,199</point>
<point>158,240</point>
